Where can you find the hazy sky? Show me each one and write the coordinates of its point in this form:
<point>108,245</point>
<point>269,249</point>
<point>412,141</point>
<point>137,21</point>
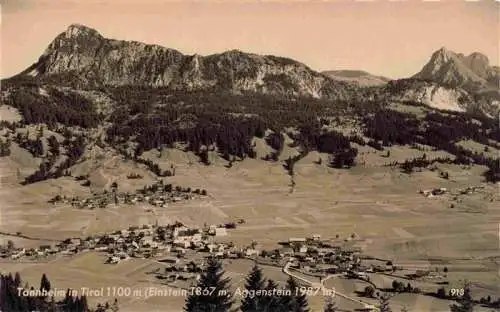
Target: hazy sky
<point>391,38</point>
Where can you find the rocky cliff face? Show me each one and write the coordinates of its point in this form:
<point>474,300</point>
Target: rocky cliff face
<point>84,53</point>
<point>436,96</point>
<point>472,72</point>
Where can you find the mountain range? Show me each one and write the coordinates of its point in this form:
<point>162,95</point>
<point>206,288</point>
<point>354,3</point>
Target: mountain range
<point>85,55</point>
<point>82,58</point>
<point>128,97</point>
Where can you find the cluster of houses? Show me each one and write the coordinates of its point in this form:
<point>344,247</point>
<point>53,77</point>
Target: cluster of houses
<point>433,192</point>
<point>470,189</point>
<point>180,269</point>
<point>322,257</point>
<point>13,253</point>
<point>314,255</point>
<point>141,242</point>
<point>158,194</point>
<point>462,191</point>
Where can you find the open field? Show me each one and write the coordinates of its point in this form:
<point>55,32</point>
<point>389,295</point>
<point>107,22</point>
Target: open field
<point>380,205</point>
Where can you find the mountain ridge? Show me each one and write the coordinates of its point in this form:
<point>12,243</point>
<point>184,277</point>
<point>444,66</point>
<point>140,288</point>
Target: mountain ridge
<point>82,58</point>
<point>83,52</point>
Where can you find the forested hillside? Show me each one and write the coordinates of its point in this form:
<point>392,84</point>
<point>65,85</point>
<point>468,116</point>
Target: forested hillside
<point>143,118</point>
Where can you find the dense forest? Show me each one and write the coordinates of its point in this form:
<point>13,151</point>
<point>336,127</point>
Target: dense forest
<point>144,118</point>
<point>64,107</point>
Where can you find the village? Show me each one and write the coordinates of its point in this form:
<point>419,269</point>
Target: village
<point>141,242</point>
<point>183,250</point>
<point>158,194</point>
<point>181,254</point>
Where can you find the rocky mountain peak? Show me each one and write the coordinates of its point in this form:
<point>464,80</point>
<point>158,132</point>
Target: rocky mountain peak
<point>471,72</point>
<point>82,53</point>
<point>443,56</point>
<point>78,30</point>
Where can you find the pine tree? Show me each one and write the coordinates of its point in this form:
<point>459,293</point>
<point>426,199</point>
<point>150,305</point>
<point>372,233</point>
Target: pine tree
<point>44,283</point>
<point>85,306</point>
<point>301,304</point>
<point>384,304</point>
<point>330,306</point>
<point>68,300</point>
<point>212,281</point>
<point>53,145</point>
<point>17,280</point>
<point>38,148</point>
<point>465,303</point>
<point>285,302</point>
<point>271,303</point>
<point>296,301</point>
<point>77,305</point>
<point>254,282</point>
<point>114,307</point>
<point>52,304</point>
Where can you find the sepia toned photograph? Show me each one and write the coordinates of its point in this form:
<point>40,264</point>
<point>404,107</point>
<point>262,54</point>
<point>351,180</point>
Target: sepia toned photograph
<point>249,156</point>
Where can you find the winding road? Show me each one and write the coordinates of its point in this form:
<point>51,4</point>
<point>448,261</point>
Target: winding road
<point>323,288</point>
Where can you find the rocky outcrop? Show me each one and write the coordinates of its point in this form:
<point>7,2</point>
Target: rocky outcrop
<point>429,93</point>
<point>83,54</point>
<point>472,72</point>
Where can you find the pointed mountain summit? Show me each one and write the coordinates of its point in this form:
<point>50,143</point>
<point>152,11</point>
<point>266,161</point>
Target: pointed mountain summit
<point>83,56</point>
<point>472,72</point>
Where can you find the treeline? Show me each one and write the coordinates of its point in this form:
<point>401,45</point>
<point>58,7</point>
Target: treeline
<point>232,135</point>
<point>313,137</point>
<point>408,165</point>
<point>216,119</point>
<point>74,150</point>
<point>202,119</point>
<point>35,147</point>
<point>439,130</point>
<point>16,297</point>
<point>152,166</point>
<point>257,296</point>
<point>436,129</point>
<point>67,108</point>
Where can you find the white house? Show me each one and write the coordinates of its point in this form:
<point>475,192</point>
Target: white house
<point>251,251</point>
<point>180,231</point>
<point>113,260</point>
<point>220,232</point>
<point>316,237</point>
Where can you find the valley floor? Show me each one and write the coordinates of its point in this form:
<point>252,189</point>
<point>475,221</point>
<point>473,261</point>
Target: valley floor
<point>380,205</point>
